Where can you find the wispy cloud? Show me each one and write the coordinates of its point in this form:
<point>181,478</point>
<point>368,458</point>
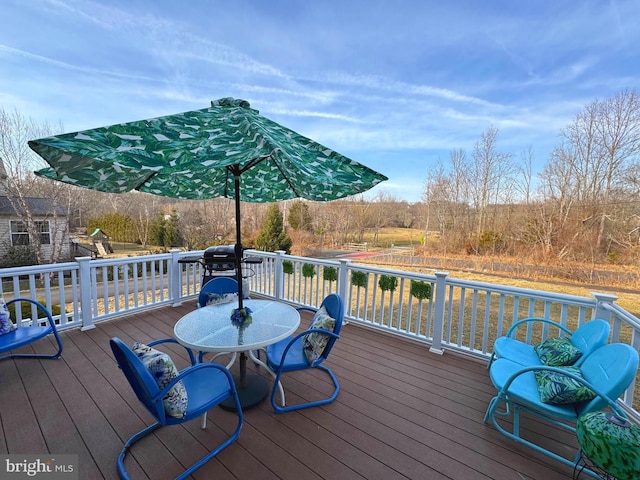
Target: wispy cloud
<point>6,50</point>
<point>400,84</point>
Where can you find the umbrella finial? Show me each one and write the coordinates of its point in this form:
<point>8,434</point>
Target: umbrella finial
<point>230,102</point>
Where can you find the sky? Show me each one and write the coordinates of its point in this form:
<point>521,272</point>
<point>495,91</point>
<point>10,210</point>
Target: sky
<point>395,85</point>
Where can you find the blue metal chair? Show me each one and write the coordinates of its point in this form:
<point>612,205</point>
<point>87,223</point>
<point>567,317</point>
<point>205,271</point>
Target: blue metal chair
<point>21,336</point>
<point>206,386</point>
<point>587,338</point>
<point>218,286</point>
<point>608,371</point>
<point>288,355</point>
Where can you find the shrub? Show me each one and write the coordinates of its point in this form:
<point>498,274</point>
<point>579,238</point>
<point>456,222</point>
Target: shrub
<point>330,274</point>
<point>19,256</point>
<point>490,242</point>
<point>287,266</point>
<point>25,308</point>
<point>308,270</point>
<point>359,279</point>
<point>421,290</point>
<point>387,282</point>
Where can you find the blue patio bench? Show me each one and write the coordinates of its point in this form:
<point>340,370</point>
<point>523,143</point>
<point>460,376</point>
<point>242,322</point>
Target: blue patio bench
<point>559,395</point>
<point>16,336</point>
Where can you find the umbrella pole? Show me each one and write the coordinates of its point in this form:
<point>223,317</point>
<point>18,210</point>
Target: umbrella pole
<point>238,247</point>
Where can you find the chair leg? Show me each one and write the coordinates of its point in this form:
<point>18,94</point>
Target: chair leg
<point>276,381</point>
<point>490,417</point>
<point>122,471</point>
<point>220,447</point>
<point>283,409</point>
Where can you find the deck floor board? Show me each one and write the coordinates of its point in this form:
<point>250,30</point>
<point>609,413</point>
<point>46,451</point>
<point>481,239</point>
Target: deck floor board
<point>402,413</point>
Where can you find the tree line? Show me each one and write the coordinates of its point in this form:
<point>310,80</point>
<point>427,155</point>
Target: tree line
<point>584,205</point>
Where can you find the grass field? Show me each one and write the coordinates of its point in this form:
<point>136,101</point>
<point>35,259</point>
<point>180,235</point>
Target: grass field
<point>628,297</point>
<point>395,236</point>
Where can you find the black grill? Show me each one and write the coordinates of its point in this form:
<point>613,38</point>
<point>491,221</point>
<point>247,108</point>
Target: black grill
<point>220,258</point>
<point>220,261</point>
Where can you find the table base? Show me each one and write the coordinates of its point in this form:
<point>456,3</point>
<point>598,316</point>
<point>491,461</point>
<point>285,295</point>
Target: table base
<point>252,392</point>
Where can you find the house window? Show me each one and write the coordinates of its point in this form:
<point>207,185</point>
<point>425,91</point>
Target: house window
<point>20,235</point>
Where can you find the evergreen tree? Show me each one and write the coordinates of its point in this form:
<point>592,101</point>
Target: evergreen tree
<point>156,232</point>
<point>272,236</point>
<point>119,226</point>
<point>299,216</point>
<point>165,231</point>
<point>172,234</point>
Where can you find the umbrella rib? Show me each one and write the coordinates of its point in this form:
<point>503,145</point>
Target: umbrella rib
<point>285,177</point>
<point>252,163</point>
<point>146,179</point>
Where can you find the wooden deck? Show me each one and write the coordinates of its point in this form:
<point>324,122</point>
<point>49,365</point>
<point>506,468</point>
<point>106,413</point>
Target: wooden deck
<point>402,413</point>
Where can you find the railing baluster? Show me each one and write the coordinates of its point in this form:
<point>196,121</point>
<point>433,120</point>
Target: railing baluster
<point>447,320</point>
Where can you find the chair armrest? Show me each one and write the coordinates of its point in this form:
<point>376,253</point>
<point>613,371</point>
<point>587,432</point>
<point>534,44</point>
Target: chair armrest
<point>303,334</point>
<point>515,326</point>
<point>307,309</point>
<point>40,306</point>
<point>173,340</point>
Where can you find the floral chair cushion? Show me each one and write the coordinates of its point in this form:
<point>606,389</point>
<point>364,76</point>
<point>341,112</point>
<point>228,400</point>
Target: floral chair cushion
<point>559,389</point>
<point>164,370</point>
<point>315,343</point>
<point>557,352</point>
<point>216,298</point>
<point>6,324</point>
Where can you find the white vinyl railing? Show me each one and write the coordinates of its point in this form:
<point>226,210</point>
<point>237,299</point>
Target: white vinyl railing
<point>442,312</point>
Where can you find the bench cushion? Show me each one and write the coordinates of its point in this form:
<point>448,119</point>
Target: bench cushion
<point>559,389</point>
<point>217,298</point>
<point>163,371</point>
<point>315,343</point>
<point>557,352</point>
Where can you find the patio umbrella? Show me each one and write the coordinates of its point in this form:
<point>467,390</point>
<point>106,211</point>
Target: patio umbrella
<point>227,150</point>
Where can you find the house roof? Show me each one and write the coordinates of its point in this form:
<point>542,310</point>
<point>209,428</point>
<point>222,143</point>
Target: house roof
<point>38,206</point>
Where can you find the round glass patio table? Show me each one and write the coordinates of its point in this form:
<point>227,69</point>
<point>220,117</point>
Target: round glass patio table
<point>209,329</point>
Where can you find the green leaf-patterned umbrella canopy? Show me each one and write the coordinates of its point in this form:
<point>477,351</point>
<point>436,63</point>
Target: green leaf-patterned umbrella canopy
<point>196,155</point>
<point>227,150</point>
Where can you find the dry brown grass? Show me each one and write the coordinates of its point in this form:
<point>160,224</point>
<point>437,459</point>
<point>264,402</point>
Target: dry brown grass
<point>627,293</point>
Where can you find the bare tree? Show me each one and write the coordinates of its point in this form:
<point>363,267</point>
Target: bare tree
<point>618,130</point>
<point>584,181</point>
<point>438,195</point>
<point>20,185</point>
<point>491,175</point>
<point>524,183</point>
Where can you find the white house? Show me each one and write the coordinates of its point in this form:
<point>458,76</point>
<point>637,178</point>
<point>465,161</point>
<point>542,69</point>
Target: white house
<point>52,223</point>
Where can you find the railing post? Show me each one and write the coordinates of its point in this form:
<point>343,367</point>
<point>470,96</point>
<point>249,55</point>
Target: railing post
<point>343,278</point>
<point>84,273</point>
<point>438,314</point>
<point>175,278</point>
<point>279,274</point>
<point>601,298</point>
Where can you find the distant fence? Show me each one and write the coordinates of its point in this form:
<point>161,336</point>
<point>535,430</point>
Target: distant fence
<point>356,247</point>
<point>442,312</point>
